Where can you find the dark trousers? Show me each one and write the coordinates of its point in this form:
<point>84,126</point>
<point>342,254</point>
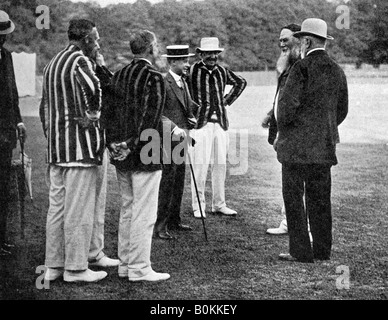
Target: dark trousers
<point>313,180</point>
<point>5,176</point>
<point>170,196</point>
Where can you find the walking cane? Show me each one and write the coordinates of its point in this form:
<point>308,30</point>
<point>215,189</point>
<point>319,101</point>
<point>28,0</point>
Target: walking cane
<point>22,217</point>
<point>196,190</point>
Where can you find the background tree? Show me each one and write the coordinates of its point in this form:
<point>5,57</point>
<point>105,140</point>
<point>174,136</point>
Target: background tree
<point>247,29</point>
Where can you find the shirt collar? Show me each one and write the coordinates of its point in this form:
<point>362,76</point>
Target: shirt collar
<point>175,76</point>
<point>316,49</point>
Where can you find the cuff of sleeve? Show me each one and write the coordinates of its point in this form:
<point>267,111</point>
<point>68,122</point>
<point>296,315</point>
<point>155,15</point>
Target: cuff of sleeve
<point>20,124</point>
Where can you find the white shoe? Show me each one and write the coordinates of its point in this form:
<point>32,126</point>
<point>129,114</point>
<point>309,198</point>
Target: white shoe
<point>84,276</point>
<point>279,231</point>
<point>105,262</point>
<point>152,276</point>
<point>197,214</point>
<point>226,211</point>
<point>52,274</point>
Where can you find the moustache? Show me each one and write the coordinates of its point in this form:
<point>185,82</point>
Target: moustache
<point>212,59</point>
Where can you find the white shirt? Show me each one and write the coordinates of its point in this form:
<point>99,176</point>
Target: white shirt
<point>177,78</point>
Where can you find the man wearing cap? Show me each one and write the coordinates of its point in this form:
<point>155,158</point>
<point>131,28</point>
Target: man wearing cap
<point>178,120</point>
<point>11,126</point>
<point>207,82</point>
<point>312,104</point>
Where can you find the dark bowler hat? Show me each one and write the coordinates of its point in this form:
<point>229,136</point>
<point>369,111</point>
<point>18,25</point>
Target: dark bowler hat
<point>6,25</point>
<point>178,51</point>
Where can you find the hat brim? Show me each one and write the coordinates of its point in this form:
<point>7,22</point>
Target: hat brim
<point>178,56</point>
<point>209,50</point>
<point>9,30</point>
<point>299,34</point>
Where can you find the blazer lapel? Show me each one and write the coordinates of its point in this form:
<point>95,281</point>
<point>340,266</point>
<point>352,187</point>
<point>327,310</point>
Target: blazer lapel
<point>178,91</point>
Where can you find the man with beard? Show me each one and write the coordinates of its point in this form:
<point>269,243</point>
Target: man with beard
<point>70,112</point>
<point>11,127</point>
<point>207,81</point>
<point>290,53</point>
<point>311,106</point>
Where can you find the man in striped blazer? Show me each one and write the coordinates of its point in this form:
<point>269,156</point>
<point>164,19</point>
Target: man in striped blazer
<point>208,81</point>
<point>70,111</point>
<point>134,129</point>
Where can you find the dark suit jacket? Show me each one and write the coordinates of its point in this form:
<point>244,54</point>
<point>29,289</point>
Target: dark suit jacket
<point>179,106</point>
<point>273,127</point>
<point>9,100</point>
<point>177,112</point>
<point>310,108</point>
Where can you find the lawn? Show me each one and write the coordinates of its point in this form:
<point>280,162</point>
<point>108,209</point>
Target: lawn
<point>239,262</point>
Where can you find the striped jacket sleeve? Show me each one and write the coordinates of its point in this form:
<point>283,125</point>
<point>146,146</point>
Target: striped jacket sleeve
<point>90,88</point>
<point>238,83</point>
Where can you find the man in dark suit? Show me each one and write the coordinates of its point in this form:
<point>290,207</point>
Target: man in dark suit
<point>11,126</point>
<point>310,108</point>
<point>178,120</point>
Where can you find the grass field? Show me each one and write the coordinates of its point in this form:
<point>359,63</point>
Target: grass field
<point>240,261</point>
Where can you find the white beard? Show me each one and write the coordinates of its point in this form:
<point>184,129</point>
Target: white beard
<point>283,62</point>
<point>286,59</point>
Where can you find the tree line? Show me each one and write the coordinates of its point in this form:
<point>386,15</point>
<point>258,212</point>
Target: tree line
<point>247,29</point>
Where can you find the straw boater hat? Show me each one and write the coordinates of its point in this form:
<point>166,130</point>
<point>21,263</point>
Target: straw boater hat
<point>178,51</point>
<point>313,27</point>
<point>6,25</point>
<point>210,44</point>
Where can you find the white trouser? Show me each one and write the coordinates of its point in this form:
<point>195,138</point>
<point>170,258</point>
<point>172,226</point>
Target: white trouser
<point>211,147</point>
<point>72,199</point>
<point>139,196</point>
<point>97,243</point>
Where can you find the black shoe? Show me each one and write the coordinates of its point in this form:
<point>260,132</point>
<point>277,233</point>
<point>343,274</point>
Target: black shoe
<point>290,258</point>
<point>180,227</point>
<point>164,235</point>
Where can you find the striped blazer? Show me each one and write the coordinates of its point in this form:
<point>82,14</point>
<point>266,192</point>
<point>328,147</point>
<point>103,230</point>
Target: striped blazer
<point>137,100</point>
<point>208,90</point>
<point>70,108</point>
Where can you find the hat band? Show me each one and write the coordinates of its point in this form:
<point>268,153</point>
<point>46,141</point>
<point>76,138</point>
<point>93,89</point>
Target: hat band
<point>177,52</point>
<point>5,25</point>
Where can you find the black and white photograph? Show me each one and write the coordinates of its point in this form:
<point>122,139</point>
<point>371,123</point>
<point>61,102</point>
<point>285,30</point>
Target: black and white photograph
<point>193,156</point>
